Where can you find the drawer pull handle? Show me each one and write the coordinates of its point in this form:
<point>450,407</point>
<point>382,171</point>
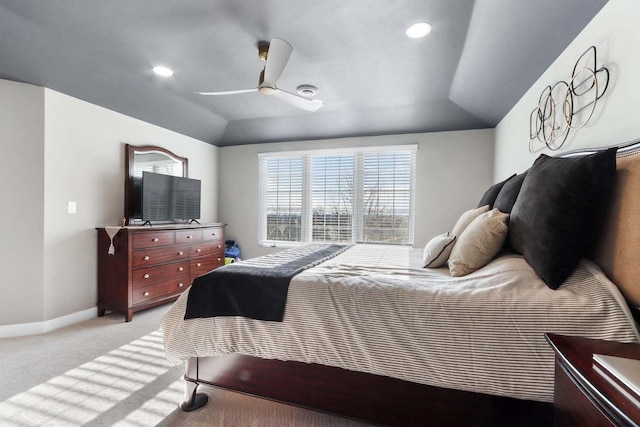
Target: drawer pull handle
<point>146,258</point>
<point>146,275</point>
<point>198,250</point>
<point>155,239</point>
<point>180,285</point>
<point>198,265</point>
<point>180,268</point>
<point>180,253</point>
<point>189,236</point>
<point>219,246</point>
<point>145,294</point>
<point>213,234</point>
<point>219,259</point>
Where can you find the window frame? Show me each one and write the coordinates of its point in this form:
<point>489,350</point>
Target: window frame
<point>307,208</point>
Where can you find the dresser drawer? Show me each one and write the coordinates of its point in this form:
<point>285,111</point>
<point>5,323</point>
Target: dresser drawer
<point>150,257</point>
<point>152,239</point>
<point>162,273</point>
<point>188,236</point>
<point>159,290</point>
<point>205,265</point>
<point>207,249</point>
<point>215,233</point>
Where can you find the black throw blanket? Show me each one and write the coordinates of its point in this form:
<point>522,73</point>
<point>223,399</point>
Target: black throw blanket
<point>254,291</point>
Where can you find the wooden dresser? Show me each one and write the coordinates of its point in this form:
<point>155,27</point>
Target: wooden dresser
<point>154,265</point>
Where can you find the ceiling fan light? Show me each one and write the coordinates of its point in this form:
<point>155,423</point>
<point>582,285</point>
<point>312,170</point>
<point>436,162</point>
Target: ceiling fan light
<point>266,90</point>
<point>163,71</point>
<point>418,30</point>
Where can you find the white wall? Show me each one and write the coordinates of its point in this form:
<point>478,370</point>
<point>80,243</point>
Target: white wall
<point>453,171</point>
<point>22,198</point>
<point>616,34</point>
<point>84,162</point>
<point>77,155</point>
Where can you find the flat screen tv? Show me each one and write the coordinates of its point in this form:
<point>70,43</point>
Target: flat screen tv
<point>159,197</point>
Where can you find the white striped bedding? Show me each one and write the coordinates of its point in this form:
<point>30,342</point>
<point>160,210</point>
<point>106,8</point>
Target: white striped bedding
<point>374,309</point>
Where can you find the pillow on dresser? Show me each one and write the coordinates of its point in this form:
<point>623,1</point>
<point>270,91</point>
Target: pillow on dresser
<point>561,204</point>
<point>478,243</point>
<point>489,197</point>
<point>509,193</point>
<point>437,251</point>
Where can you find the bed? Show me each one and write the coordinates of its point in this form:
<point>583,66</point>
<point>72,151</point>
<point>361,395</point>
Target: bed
<point>371,334</point>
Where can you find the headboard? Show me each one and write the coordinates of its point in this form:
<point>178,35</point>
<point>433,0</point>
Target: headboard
<point>618,249</point>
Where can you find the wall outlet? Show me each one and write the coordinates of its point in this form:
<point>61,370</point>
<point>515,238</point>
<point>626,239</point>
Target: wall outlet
<point>71,207</point>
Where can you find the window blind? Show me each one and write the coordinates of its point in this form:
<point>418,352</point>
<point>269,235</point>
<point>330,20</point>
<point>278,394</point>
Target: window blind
<point>332,198</point>
<point>282,198</point>
<point>387,197</point>
<point>365,195</point>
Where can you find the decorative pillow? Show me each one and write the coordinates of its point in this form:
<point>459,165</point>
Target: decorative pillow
<point>509,193</point>
<point>437,251</point>
<point>559,210</point>
<point>490,195</point>
<point>479,243</point>
<point>466,218</point>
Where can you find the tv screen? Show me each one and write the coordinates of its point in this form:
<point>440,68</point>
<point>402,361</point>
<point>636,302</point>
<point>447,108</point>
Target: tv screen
<point>167,198</point>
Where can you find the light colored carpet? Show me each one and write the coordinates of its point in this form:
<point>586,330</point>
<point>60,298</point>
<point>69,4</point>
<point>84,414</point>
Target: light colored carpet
<point>226,408</point>
<point>106,372</point>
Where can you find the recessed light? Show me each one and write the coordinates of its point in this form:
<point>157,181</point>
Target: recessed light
<point>418,30</point>
<point>163,71</point>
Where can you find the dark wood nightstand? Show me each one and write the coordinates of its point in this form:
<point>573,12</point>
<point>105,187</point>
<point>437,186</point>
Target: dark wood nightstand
<point>585,397</point>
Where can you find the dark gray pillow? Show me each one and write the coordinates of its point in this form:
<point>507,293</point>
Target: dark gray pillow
<point>489,196</point>
<point>509,193</point>
<point>561,204</point>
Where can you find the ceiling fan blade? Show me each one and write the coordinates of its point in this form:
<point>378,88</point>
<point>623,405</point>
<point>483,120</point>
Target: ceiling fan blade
<point>277,59</point>
<point>229,92</point>
<point>299,101</point>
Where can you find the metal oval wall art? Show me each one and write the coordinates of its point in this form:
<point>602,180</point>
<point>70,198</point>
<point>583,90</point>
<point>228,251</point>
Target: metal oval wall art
<point>567,106</point>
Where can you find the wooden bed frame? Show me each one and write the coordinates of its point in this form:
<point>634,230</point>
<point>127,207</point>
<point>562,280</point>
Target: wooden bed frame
<point>388,401</point>
<point>365,397</point>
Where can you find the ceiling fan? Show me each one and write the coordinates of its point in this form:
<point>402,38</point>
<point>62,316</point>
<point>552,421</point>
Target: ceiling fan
<point>276,55</point>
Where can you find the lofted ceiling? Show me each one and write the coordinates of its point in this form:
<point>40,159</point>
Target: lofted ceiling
<point>479,59</point>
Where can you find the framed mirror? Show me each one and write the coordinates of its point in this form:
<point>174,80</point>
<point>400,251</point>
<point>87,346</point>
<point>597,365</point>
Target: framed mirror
<point>151,159</point>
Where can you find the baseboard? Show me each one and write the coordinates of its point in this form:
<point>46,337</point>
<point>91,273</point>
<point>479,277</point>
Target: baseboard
<point>35,328</point>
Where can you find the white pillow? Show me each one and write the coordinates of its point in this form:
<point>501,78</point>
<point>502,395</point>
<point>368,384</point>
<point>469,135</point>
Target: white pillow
<point>478,243</point>
<point>437,251</point>
<point>466,218</point>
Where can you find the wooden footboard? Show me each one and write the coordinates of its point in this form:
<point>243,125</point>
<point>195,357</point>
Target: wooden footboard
<point>370,398</point>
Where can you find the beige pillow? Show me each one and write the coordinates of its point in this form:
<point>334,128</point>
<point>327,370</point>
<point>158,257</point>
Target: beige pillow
<point>437,251</point>
<point>478,243</point>
<point>466,218</point>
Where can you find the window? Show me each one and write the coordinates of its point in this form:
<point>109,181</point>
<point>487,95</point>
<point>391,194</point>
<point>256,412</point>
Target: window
<point>332,198</point>
<point>283,192</point>
<point>344,196</point>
